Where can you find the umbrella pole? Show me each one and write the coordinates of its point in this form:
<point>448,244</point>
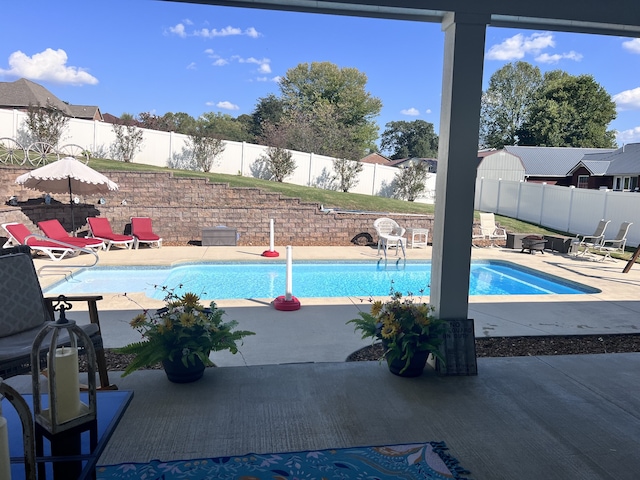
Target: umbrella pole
<point>73,220</point>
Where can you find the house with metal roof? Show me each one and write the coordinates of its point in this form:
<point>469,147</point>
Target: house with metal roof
<point>616,170</point>
<point>23,93</point>
<point>552,165</point>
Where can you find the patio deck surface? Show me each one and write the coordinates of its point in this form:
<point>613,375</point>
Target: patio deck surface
<point>558,417</point>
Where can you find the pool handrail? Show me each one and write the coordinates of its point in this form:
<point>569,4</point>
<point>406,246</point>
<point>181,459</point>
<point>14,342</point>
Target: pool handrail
<point>66,245</point>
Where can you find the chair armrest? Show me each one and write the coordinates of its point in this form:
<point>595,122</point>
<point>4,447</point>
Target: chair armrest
<point>91,304</point>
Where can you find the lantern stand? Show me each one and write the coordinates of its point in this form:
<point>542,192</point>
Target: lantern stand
<point>66,416</point>
<point>22,408</point>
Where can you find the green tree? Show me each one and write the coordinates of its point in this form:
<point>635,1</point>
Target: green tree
<point>410,182</point>
<point>279,163</point>
<point>346,173</point>
<point>46,124</point>
<point>322,87</point>
<point>129,139</point>
<point>410,139</point>
<point>205,149</point>
<point>269,110</point>
<point>507,102</point>
<point>224,126</point>
<point>570,111</point>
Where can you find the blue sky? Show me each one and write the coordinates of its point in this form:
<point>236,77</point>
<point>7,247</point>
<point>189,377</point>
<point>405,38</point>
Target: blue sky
<point>138,56</point>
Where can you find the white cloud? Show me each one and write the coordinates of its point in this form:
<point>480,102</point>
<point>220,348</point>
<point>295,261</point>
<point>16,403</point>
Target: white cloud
<point>428,110</point>
<point>628,100</point>
<point>275,79</point>
<point>252,32</point>
<point>263,63</point>
<point>178,30</point>
<point>413,112</point>
<point>227,106</point>
<point>191,66</point>
<point>516,47</point>
<point>50,65</point>
<point>546,58</point>
<point>220,62</point>
<point>632,45</point>
<point>628,136</point>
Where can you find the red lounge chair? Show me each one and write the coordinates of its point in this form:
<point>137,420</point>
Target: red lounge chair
<point>54,230</point>
<point>18,234</point>
<point>142,231</point>
<point>100,228</point>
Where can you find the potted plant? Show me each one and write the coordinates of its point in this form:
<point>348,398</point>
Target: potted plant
<point>181,336</point>
<point>407,329</point>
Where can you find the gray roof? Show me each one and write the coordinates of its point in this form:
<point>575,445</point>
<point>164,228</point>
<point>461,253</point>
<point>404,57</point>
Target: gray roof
<point>623,161</point>
<point>23,93</point>
<point>88,112</point>
<point>551,161</point>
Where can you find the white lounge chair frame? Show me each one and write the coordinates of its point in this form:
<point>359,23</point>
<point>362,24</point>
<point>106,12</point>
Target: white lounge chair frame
<point>56,254</point>
<point>617,244</point>
<point>390,234</point>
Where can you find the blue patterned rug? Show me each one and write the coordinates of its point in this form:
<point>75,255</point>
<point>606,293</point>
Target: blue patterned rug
<point>424,461</point>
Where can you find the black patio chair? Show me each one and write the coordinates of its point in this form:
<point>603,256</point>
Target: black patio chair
<point>24,311</point>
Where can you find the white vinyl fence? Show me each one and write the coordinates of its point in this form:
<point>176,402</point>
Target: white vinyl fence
<point>239,158</point>
<point>569,209</point>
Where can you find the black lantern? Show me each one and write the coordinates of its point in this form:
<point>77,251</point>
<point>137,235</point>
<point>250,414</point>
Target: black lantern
<point>65,409</point>
<point>24,414</point>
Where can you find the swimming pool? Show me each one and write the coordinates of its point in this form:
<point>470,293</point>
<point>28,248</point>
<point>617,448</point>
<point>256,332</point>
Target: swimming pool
<point>310,279</point>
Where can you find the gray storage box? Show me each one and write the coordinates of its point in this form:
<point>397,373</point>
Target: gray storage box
<point>219,236</point>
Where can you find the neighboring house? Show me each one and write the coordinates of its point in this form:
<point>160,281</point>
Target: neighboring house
<point>86,112</point>
<point>551,165</point>
<point>617,170</point>
<point>376,158</point>
<point>432,163</point>
<point>23,93</point>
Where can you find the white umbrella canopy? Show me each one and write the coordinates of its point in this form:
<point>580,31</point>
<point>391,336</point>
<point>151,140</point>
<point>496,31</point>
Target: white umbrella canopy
<point>67,175</point>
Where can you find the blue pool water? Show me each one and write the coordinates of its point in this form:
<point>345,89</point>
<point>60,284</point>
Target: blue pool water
<point>321,279</point>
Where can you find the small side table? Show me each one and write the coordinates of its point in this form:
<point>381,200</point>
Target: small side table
<point>418,236</point>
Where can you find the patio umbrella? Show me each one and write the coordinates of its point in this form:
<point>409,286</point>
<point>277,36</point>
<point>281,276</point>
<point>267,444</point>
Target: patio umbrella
<point>67,175</point>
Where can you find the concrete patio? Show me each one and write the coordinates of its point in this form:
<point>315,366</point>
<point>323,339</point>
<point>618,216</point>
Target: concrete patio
<point>559,417</point>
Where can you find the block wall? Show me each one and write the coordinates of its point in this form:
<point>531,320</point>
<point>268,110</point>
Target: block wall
<point>180,207</point>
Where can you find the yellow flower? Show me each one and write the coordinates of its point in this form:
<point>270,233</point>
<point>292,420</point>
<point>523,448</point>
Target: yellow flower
<point>187,319</point>
<point>138,321</point>
<point>389,330</point>
<point>168,324</point>
<point>376,308</point>
<point>190,300</point>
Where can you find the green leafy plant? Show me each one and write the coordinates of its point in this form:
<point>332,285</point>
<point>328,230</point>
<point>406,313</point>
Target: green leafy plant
<point>404,324</point>
<point>183,329</point>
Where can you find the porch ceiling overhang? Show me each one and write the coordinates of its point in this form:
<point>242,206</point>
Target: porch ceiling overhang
<point>615,17</point>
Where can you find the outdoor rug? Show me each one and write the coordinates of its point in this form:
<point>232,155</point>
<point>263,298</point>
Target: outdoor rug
<point>428,461</point>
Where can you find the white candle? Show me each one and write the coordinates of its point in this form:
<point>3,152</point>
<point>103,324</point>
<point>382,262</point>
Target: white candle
<point>289,289</point>
<point>67,384</point>
<point>5,459</point>
<point>271,246</point>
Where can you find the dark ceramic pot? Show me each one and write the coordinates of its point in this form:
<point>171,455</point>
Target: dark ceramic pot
<point>415,368</point>
<point>178,373</point>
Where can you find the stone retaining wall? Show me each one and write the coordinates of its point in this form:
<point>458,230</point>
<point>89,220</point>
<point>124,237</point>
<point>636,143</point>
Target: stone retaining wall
<point>181,207</point>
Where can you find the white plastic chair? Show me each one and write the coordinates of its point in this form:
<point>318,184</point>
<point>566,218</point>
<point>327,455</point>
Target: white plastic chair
<point>390,234</point>
<point>489,230</point>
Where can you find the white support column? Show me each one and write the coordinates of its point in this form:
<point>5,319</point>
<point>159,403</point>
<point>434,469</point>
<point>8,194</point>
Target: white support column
<point>457,153</point>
